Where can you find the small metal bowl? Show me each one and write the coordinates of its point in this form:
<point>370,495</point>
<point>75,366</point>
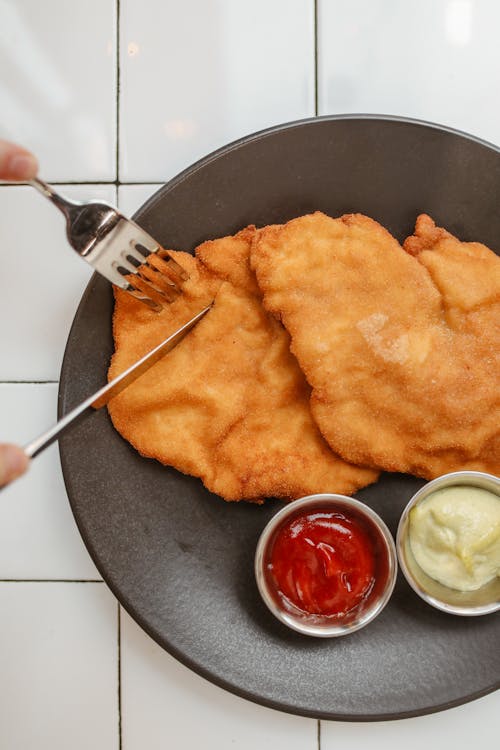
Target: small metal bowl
<point>483,601</point>
<point>329,626</point>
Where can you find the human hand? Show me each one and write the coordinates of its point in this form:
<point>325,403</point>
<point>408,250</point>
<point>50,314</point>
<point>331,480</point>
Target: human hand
<point>13,463</point>
<point>16,164</point>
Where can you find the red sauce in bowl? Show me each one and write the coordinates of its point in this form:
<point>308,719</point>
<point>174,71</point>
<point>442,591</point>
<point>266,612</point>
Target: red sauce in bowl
<point>322,562</point>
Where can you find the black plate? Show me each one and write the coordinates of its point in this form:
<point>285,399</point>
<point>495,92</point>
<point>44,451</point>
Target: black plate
<point>179,559</point>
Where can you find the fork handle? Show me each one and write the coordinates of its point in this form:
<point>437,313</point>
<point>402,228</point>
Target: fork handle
<point>48,191</point>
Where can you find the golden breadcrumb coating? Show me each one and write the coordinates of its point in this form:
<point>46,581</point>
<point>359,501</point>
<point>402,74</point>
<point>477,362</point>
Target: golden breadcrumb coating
<point>229,404</point>
<point>401,346</point>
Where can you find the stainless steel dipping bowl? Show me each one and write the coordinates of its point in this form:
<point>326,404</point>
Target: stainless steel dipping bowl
<point>328,626</point>
<point>483,601</point>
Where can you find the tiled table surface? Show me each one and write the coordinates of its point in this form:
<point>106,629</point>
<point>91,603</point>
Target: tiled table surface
<point>115,97</point>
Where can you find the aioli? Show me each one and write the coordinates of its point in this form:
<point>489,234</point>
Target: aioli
<point>454,535</point>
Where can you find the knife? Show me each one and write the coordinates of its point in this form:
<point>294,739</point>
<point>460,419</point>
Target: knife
<point>112,389</point>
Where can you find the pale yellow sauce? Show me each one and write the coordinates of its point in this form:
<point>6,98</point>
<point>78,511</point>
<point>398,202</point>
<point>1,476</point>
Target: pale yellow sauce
<point>454,535</point>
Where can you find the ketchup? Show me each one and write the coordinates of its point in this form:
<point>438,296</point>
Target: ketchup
<point>322,562</point>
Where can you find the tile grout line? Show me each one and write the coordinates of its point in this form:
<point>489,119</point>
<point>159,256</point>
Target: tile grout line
<point>119,677</point>
<point>316,57</point>
<point>87,182</point>
<point>118,82</point>
<point>319,734</point>
<point>60,182</point>
<point>29,382</point>
<point>51,580</point>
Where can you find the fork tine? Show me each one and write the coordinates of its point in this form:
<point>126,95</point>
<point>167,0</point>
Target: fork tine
<point>172,264</point>
<point>124,263</point>
<point>152,278</point>
<point>149,290</point>
<point>140,295</point>
<point>134,253</point>
<point>161,259</point>
<point>149,244</point>
<point>159,283</point>
<point>133,282</point>
<point>167,267</point>
<point>143,250</point>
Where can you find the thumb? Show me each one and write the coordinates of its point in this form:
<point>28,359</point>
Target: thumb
<point>16,164</point>
<point>13,463</point>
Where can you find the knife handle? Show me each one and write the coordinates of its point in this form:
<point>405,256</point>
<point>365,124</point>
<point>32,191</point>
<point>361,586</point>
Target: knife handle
<point>110,390</point>
<point>50,436</point>
<point>36,446</point>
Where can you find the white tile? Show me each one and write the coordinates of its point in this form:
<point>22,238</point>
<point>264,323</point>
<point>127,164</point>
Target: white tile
<point>166,705</point>
<point>58,84</point>
<point>58,667</point>
<point>131,197</point>
<point>38,535</point>
<point>457,729</point>
<point>196,75</point>
<point>41,283</point>
<point>437,60</point>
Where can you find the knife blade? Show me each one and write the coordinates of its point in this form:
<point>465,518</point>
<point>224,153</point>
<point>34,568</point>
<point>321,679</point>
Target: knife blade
<point>101,397</point>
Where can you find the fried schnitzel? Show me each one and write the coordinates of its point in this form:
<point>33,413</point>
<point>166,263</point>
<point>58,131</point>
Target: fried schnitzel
<point>401,346</point>
<point>229,404</point>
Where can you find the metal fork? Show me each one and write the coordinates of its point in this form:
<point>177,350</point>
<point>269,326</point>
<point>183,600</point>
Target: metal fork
<point>119,249</point>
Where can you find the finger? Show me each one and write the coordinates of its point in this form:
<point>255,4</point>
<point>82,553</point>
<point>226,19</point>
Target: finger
<point>16,164</point>
<point>13,463</point>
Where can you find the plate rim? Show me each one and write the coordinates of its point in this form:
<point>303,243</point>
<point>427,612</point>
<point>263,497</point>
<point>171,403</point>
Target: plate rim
<point>191,169</point>
<point>121,598</point>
